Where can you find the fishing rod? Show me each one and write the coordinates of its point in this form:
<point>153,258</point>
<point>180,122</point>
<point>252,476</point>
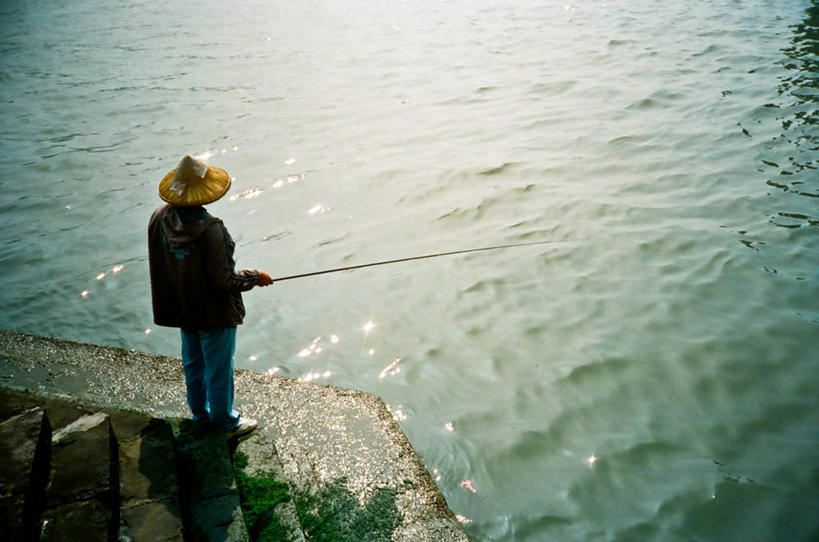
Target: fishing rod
<point>386,262</point>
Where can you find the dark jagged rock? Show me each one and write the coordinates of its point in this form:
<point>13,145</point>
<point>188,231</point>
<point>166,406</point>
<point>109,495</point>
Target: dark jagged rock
<point>25,449</point>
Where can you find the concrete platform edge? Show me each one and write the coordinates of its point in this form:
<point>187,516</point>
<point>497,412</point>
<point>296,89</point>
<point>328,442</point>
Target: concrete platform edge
<point>321,434</point>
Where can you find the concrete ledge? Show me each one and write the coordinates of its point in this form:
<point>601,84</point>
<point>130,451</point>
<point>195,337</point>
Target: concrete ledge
<point>323,435</point>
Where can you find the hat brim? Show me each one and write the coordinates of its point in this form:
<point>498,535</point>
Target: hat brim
<point>210,188</point>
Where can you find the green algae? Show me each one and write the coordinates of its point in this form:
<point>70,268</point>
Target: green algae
<point>335,514</point>
<point>259,496</point>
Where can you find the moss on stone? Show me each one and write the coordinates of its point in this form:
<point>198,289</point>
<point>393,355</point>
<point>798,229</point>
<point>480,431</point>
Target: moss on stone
<point>259,497</point>
<point>335,514</point>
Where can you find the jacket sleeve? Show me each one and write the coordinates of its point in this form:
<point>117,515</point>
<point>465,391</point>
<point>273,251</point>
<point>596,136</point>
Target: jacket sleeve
<point>220,264</point>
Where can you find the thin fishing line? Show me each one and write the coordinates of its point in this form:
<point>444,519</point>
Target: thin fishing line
<point>411,258</point>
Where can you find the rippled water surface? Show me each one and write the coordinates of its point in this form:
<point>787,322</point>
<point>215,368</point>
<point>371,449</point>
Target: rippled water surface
<point>651,375</point>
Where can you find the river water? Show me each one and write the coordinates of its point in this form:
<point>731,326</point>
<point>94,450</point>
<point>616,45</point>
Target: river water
<point>650,375</point>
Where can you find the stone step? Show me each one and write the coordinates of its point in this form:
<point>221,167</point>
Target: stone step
<point>149,502</point>
<point>336,443</point>
<point>25,449</point>
<point>264,490</point>
<point>113,475</point>
<point>149,488</point>
<point>82,498</point>
<point>209,495</point>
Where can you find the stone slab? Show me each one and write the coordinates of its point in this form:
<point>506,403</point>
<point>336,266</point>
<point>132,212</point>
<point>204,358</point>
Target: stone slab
<point>84,462</point>
<point>209,496</point>
<point>25,454</point>
<point>152,522</point>
<point>60,410</point>
<point>219,519</point>
<point>88,521</point>
<point>204,463</point>
<point>263,461</point>
<point>147,466</point>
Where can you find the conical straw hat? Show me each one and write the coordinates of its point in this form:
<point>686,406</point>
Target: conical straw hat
<point>193,183</point>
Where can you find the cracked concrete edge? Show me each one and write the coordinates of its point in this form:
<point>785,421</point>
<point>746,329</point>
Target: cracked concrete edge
<point>321,433</point>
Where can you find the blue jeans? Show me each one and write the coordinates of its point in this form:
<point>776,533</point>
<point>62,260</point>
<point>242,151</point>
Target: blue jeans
<point>207,358</point>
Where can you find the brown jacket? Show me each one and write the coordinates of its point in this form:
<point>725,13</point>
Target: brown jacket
<point>193,281</point>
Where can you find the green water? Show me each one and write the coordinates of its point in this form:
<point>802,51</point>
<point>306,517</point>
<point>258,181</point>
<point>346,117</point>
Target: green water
<point>650,376</point>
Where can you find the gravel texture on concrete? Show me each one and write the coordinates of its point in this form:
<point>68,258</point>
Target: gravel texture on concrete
<point>321,434</point>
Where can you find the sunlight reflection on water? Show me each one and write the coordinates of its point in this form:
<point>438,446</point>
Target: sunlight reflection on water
<point>580,389</point>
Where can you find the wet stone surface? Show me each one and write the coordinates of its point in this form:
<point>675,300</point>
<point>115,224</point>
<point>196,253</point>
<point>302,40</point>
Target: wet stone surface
<point>209,494</point>
<point>25,449</point>
<point>322,434</point>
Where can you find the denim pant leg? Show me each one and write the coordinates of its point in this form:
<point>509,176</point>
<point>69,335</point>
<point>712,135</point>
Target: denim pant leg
<point>193,363</point>
<point>218,348</point>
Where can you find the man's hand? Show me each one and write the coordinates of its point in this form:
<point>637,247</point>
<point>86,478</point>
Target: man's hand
<point>264,279</point>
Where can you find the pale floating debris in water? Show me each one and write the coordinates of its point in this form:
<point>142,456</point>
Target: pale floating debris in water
<point>290,161</point>
<point>147,331</point>
<point>437,476</point>
<point>247,194</point>
<point>368,326</point>
<point>290,179</point>
<point>224,151</point>
<point>253,357</point>
<point>390,369</point>
<point>68,207</point>
<point>468,485</point>
<point>463,519</point>
<point>101,276</point>
<point>117,268</point>
<point>272,371</point>
<point>371,351</point>
<point>591,460</point>
<point>235,148</point>
<point>334,339</point>
<point>317,209</point>
<point>449,427</point>
<point>84,293</point>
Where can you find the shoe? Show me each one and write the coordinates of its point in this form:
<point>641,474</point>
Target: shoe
<point>245,426</point>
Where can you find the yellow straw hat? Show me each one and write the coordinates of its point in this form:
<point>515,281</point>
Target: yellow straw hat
<point>193,183</point>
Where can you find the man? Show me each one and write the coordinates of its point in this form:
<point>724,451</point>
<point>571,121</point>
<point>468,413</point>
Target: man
<point>195,287</point>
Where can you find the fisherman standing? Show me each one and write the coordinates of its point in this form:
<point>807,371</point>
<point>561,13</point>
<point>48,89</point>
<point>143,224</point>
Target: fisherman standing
<point>195,287</point>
